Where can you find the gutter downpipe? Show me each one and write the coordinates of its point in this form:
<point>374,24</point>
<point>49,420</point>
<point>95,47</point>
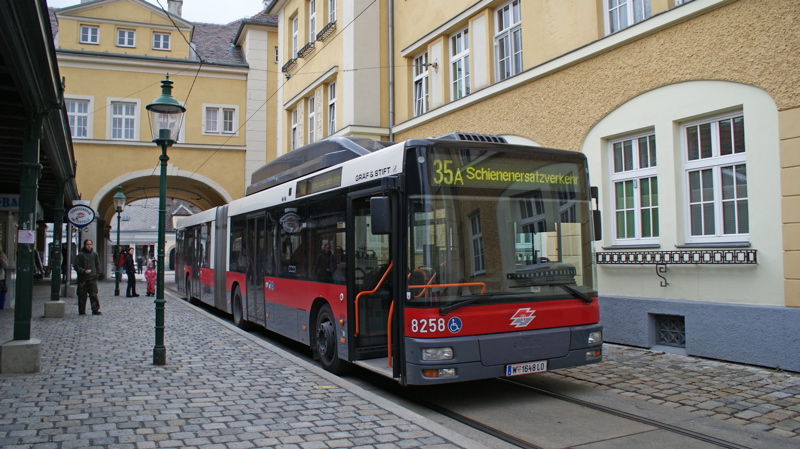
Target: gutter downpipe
<point>391,70</point>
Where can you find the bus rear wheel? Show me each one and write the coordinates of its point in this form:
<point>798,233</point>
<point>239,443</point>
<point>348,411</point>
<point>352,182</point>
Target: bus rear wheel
<point>325,341</point>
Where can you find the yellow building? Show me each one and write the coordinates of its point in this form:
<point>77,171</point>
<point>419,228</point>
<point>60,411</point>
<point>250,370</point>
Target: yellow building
<point>695,99</point>
<point>113,55</point>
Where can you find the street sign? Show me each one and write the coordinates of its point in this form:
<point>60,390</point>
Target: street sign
<point>80,216</point>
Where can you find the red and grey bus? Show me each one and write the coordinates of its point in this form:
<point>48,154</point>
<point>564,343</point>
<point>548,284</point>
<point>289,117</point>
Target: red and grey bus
<point>428,261</point>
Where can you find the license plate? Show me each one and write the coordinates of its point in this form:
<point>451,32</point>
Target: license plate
<point>518,369</point>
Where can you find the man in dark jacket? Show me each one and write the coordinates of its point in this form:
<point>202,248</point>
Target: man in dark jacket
<point>130,270</point>
<point>87,265</point>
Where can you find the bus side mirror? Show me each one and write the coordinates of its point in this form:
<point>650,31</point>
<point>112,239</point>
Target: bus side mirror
<point>380,214</point>
<point>597,221</point>
<point>597,218</point>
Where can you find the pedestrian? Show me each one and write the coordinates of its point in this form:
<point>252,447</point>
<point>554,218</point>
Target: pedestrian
<point>130,270</point>
<point>87,265</point>
<point>139,264</point>
<point>150,275</point>
<point>3,286</point>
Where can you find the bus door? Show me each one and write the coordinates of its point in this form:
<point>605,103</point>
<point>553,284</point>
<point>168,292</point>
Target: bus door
<point>370,280</point>
<point>195,262</point>
<point>255,242</point>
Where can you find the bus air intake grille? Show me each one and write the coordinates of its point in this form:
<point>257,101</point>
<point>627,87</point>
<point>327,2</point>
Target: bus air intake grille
<point>474,137</point>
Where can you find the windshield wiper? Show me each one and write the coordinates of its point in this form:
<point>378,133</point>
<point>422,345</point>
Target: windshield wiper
<point>444,310</point>
<point>586,298</point>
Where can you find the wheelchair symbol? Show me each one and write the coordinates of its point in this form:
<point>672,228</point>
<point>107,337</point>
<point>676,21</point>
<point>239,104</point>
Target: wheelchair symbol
<point>454,325</point>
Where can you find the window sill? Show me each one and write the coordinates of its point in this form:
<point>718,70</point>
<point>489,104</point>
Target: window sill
<point>643,246</point>
<point>715,245</point>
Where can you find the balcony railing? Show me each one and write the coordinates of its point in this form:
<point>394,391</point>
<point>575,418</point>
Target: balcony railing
<point>290,64</point>
<point>327,31</point>
<point>306,50</point>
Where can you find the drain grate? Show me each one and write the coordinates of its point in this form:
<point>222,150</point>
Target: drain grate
<point>670,331</point>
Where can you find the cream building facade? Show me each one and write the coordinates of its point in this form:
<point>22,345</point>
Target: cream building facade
<point>688,112</point>
<point>113,55</point>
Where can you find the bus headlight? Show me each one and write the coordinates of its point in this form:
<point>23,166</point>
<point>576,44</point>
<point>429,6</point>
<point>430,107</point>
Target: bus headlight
<point>595,337</point>
<point>445,353</point>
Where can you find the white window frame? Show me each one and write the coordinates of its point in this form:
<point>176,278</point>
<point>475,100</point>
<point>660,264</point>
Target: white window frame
<point>220,119</point>
<point>331,11</point>
<point>311,104</point>
<point>90,34</point>
<point>637,170</point>
<point>294,129</point>
<point>420,86</point>
<point>621,14</point>
<point>162,41</point>
<point>130,122</point>
<point>477,248</point>
<point>85,117</point>
<point>295,36</point>
<point>312,20</point>
<point>126,38</point>
<point>332,108</point>
<point>715,165</point>
<point>508,40</point>
<point>459,64</point>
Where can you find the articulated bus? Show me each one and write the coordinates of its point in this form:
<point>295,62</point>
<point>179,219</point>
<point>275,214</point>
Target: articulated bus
<point>428,261</point>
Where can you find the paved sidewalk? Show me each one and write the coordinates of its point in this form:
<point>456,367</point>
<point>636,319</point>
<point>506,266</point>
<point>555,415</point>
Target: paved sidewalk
<point>220,388</point>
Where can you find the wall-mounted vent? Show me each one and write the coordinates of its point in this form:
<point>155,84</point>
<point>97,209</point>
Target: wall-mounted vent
<point>670,331</point>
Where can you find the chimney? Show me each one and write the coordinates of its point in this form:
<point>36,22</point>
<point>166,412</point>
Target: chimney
<point>175,7</point>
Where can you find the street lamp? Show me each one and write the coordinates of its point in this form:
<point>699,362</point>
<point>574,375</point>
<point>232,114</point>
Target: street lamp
<point>165,122</point>
<point>119,204</point>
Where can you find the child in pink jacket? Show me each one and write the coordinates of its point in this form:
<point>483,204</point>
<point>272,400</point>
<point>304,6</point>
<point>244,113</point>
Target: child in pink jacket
<point>150,276</point>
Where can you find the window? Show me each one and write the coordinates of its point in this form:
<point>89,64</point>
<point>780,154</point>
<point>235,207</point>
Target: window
<point>459,63</point>
<point>508,40</point>
<point>421,84</point>
<point>635,188</point>
<point>532,220</point>
<point>220,119</point>
<point>624,13</point>
<point>294,129</point>
<point>311,127</point>
<point>716,177</point>
<point>125,38</point>
<point>331,109</point>
<point>295,36</point>
<point>123,121</point>
<point>78,112</point>
<point>331,11</point>
<point>312,20</point>
<point>277,57</point>
<point>478,265</point>
<point>160,41</point>
<point>90,34</point>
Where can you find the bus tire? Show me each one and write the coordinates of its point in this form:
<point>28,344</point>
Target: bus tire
<point>237,310</point>
<point>325,341</point>
<point>188,289</point>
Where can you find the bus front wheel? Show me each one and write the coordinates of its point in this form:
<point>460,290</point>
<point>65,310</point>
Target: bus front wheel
<point>325,341</point>
<point>236,308</point>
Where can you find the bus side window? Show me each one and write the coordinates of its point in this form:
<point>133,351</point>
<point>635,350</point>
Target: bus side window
<point>238,258</point>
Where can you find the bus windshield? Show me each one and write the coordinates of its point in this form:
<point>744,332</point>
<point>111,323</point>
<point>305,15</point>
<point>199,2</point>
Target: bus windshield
<point>489,226</point>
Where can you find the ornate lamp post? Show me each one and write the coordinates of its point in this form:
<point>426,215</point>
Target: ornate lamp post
<point>166,115</point>
<point>119,204</point>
